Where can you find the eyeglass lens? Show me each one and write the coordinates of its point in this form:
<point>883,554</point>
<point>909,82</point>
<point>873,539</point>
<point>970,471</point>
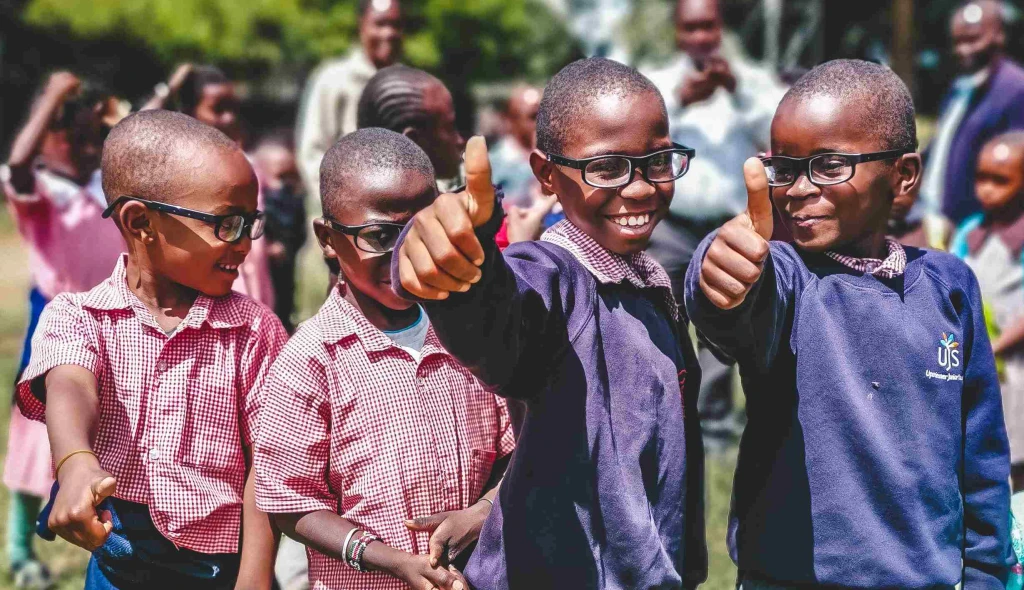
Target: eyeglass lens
<point>231,228</point>
<point>614,171</point>
<point>378,238</point>
<point>825,169</point>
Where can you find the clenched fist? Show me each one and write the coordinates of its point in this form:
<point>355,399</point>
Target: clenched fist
<point>734,260</point>
<point>441,253</point>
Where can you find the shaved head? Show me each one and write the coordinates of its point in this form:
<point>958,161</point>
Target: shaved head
<point>359,158</point>
<point>152,154</point>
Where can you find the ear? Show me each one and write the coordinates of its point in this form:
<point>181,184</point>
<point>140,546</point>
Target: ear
<point>908,174</point>
<point>414,134</point>
<point>544,171</point>
<point>138,222</point>
<point>323,237</point>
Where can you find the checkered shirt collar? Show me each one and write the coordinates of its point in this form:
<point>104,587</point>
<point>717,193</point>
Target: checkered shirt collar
<point>639,270</point>
<point>113,294</point>
<point>340,320</point>
<point>893,265</point>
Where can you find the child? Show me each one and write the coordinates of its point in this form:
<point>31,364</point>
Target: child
<point>150,383</point>
<point>419,106</point>
<point>53,194</point>
<point>274,159</point>
<point>206,93</point>
<point>606,486</point>
<point>991,244</point>
<point>369,424</point>
<point>869,460</point>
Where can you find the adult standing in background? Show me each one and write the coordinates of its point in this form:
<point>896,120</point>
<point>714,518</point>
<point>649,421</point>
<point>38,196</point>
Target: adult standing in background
<point>329,103</point>
<point>986,100</point>
<point>721,105</point>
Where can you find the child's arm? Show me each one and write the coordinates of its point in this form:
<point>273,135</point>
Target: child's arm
<point>731,286</point>
<point>325,532</point>
<point>495,313</point>
<point>986,463</point>
<point>259,540</point>
<point>177,79</point>
<point>72,411</point>
<point>30,139</point>
<point>1010,339</point>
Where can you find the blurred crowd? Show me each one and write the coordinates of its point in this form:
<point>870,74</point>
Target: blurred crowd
<point>720,102</point>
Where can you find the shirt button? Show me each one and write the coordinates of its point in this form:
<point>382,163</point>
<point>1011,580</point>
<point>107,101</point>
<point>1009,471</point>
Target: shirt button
<point>161,365</point>
<point>154,454</point>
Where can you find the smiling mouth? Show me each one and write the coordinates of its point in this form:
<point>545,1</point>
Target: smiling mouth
<point>808,220</point>
<point>634,222</point>
<point>228,268</point>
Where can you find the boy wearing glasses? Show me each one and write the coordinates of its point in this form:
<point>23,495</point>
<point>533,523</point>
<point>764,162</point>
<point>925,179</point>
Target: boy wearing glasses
<point>370,424</point>
<point>150,383</point>
<point>875,455</point>
<point>606,487</point>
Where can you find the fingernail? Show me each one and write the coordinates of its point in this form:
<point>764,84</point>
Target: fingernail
<point>457,585</point>
<point>476,279</point>
<point>464,287</point>
<point>443,295</point>
<point>478,261</point>
<point>433,562</point>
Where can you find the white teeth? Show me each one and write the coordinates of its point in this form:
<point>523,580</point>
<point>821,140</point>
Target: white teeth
<point>632,221</point>
<point>622,221</point>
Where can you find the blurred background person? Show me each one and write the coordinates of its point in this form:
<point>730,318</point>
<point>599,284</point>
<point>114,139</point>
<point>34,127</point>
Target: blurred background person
<point>986,99</point>
<point>722,105</point>
<point>912,224</point>
<point>328,108</point>
<point>207,94</point>
<point>284,198</point>
<point>510,155</point>
<point>52,186</point>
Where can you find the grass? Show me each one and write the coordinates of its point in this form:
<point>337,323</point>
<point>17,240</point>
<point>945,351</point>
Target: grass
<point>68,562</point>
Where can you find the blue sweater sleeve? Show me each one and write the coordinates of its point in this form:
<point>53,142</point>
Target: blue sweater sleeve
<point>751,332</point>
<point>988,553</point>
<point>519,319</point>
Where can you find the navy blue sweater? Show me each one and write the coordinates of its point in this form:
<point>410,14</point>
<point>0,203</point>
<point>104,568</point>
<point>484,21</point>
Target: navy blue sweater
<point>605,489</point>
<point>875,454</point>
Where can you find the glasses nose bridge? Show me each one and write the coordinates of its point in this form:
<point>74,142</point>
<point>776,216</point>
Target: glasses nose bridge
<point>637,171</point>
<point>802,186</point>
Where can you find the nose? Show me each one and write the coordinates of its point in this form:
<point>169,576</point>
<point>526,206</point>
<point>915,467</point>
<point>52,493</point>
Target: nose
<point>638,189</point>
<point>242,246</point>
<point>803,188</point>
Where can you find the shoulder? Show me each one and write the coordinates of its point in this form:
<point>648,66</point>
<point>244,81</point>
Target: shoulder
<point>246,311</point>
<point>958,246</point>
<point>554,272</point>
<point>1012,73</point>
<point>946,269</point>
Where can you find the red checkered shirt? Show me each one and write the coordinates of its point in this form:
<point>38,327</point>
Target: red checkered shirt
<point>354,425</point>
<point>639,270</point>
<point>175,410</point>
<point>893,265</point>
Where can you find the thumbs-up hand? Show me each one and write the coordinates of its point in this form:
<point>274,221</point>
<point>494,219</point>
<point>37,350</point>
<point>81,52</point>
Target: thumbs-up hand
<point>734,260</point>
<point>83,486</point>
<point>441,253</point>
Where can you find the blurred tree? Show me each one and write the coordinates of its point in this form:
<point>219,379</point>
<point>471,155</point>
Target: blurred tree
<point>474,40</point>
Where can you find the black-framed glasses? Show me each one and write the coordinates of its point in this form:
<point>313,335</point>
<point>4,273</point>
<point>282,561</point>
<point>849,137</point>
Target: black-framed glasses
<point>229,228</point>
<point>379,237</point>
<point>613,170</point>
<point>821,169</point>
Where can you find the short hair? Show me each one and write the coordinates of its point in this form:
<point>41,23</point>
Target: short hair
<point>889,111</point>
<point>143,154</point>
<point>191,92</point>
<point>569,95</point>
<point>393,99</point>
<point>1012,138</point>
<point>363,153</point>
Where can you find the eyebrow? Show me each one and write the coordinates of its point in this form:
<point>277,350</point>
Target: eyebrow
<point>667,146</point>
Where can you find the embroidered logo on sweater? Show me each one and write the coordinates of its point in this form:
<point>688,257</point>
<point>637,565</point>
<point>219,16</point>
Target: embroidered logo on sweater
<point>948,358</point>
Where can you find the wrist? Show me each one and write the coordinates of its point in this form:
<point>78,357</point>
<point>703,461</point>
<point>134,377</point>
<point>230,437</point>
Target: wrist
<point>76,462</point>
<point>382,558</point>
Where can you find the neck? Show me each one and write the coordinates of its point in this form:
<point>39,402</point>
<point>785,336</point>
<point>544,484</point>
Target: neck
<point>870,246</point>
<point>1007,215</point>
<point>169,302</point>
<point>382,317</point>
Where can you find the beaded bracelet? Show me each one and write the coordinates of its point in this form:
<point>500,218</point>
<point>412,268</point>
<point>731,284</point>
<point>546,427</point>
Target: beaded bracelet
<point>360,548</point>
<point>345,553</point>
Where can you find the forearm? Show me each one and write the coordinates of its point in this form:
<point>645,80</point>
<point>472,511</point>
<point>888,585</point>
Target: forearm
<point>325,532</point>
<point>1011,338</point>
<point>259,542</point>
<point>72,410</point>
<point>29,141</point>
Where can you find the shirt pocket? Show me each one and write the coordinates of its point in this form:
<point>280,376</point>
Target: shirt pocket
<point>480,464</point>
<point>211,439</point>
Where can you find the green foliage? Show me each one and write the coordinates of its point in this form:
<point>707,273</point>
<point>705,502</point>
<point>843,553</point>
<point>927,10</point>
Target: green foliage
<point>479,40</point>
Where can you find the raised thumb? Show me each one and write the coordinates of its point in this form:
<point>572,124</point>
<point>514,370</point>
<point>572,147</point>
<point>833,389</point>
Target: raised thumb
<point>426,523</point>
<point>759,205</point>
<point>480,202</point>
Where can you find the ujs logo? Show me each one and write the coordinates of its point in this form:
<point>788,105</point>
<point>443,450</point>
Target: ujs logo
<point>949,356</point>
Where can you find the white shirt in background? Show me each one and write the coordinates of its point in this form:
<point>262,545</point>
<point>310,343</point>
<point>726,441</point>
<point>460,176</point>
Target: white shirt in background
<point>725,129</point>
